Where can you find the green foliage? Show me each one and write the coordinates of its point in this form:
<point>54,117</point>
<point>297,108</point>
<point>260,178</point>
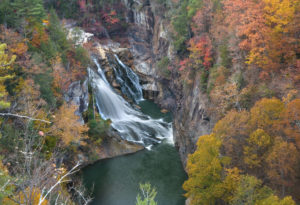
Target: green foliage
<point>161,1</point>
<point>57,33</point>
<point>98,128</point>
<point>193,6</point>
<point>265,92</point>
<point>81,55</point>
<point>49,145</point>
<point>240,81</point>
<point>8,139</point>
<point>30,10</point>
<point>226,59</point>
<point>6,13</point>
<point>163,66</point>
<point>66,9</point>
<point>204,80</point>
<point>249,191</point>
<point>147,196</point>
<point>44,80</point>
<point>274,200</point>
<point>6,189</point>
<point>48,49</point>
<point>180,24</point>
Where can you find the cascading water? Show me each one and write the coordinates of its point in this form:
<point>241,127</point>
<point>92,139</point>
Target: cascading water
<point>128,80</point>
<point>130,123</point>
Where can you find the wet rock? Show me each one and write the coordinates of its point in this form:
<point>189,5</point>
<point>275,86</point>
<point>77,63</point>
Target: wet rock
<point>78,95</point>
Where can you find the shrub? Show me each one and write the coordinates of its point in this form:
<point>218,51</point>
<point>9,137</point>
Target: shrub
<point>81,55</point>
<point>44,80</point>
<point>226,59</point>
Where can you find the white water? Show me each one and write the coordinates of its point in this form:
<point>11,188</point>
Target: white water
<point>128,80</point>
<point>130,123</point>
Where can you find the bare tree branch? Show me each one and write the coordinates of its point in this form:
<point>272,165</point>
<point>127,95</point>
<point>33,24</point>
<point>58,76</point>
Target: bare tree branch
<point>72,171</point>
<point>22,116</point>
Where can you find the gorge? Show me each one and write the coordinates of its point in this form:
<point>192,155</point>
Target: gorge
<point>168,102</point>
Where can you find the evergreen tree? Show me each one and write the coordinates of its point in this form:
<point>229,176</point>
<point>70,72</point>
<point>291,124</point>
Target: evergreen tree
<point>32,10</point>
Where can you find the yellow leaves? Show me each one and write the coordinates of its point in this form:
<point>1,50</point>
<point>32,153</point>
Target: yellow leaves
<point>5,60</point>
<point>279,13</point>
<point>230,183</point>
<point>282,163</point>
<point>233,124</point>
<point>291,95</point>
<point>274,200</point>
<point>20,48</point>
<point>28,196</point>
<point>204,168</point>
<point>5,65</point>
<point>67,125</point>
<point>291,123</point>
<point>260,138</point>
<point>266,113</point>
<point>258,142</point>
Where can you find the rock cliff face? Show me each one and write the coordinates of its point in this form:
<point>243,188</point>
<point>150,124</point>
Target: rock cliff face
<point>149,42</point>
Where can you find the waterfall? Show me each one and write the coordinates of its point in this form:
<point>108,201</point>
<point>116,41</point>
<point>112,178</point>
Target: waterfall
<point>128,80</point>
<point>131,124</point>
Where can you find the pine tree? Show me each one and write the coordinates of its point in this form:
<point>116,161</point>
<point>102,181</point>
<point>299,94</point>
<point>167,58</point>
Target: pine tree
<point>32,11</point>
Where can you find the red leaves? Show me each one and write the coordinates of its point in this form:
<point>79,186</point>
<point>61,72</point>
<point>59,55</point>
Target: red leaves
<point>183,64</point>
<point>200,54</point>
<point>201,50</point>
<point>82,5</point>
<point>111,18</point>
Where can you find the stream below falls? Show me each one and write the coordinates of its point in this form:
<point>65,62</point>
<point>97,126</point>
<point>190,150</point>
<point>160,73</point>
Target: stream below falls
<point>116,181</point>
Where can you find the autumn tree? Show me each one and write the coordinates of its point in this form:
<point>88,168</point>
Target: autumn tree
<point>233,129</point>
<point>282,164</point>
<point>249,190</point>
<point>264,30</point>
<point>256,148</point>
<point>67,125</point>
<point>291,121</point>
<point>266,114</point>
<point>204,168</point>
<point>230,184</point>
<point>6,65</point>
<point>275,200</point>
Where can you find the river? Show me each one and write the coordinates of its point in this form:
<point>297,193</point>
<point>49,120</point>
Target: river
<point>116,181</point>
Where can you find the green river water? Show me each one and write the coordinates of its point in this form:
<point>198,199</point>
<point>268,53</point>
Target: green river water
<point>116,181</point>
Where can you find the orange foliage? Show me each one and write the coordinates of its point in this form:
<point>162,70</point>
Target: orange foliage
<point>67,125</point>
<point>291,123</point>
<point>15,43</point>
<point>39,36</point>
<point>200,54</point>
<point>282,164</point>
<point>264,29</point>
<point>111,18</point>
<point>61,78</point>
